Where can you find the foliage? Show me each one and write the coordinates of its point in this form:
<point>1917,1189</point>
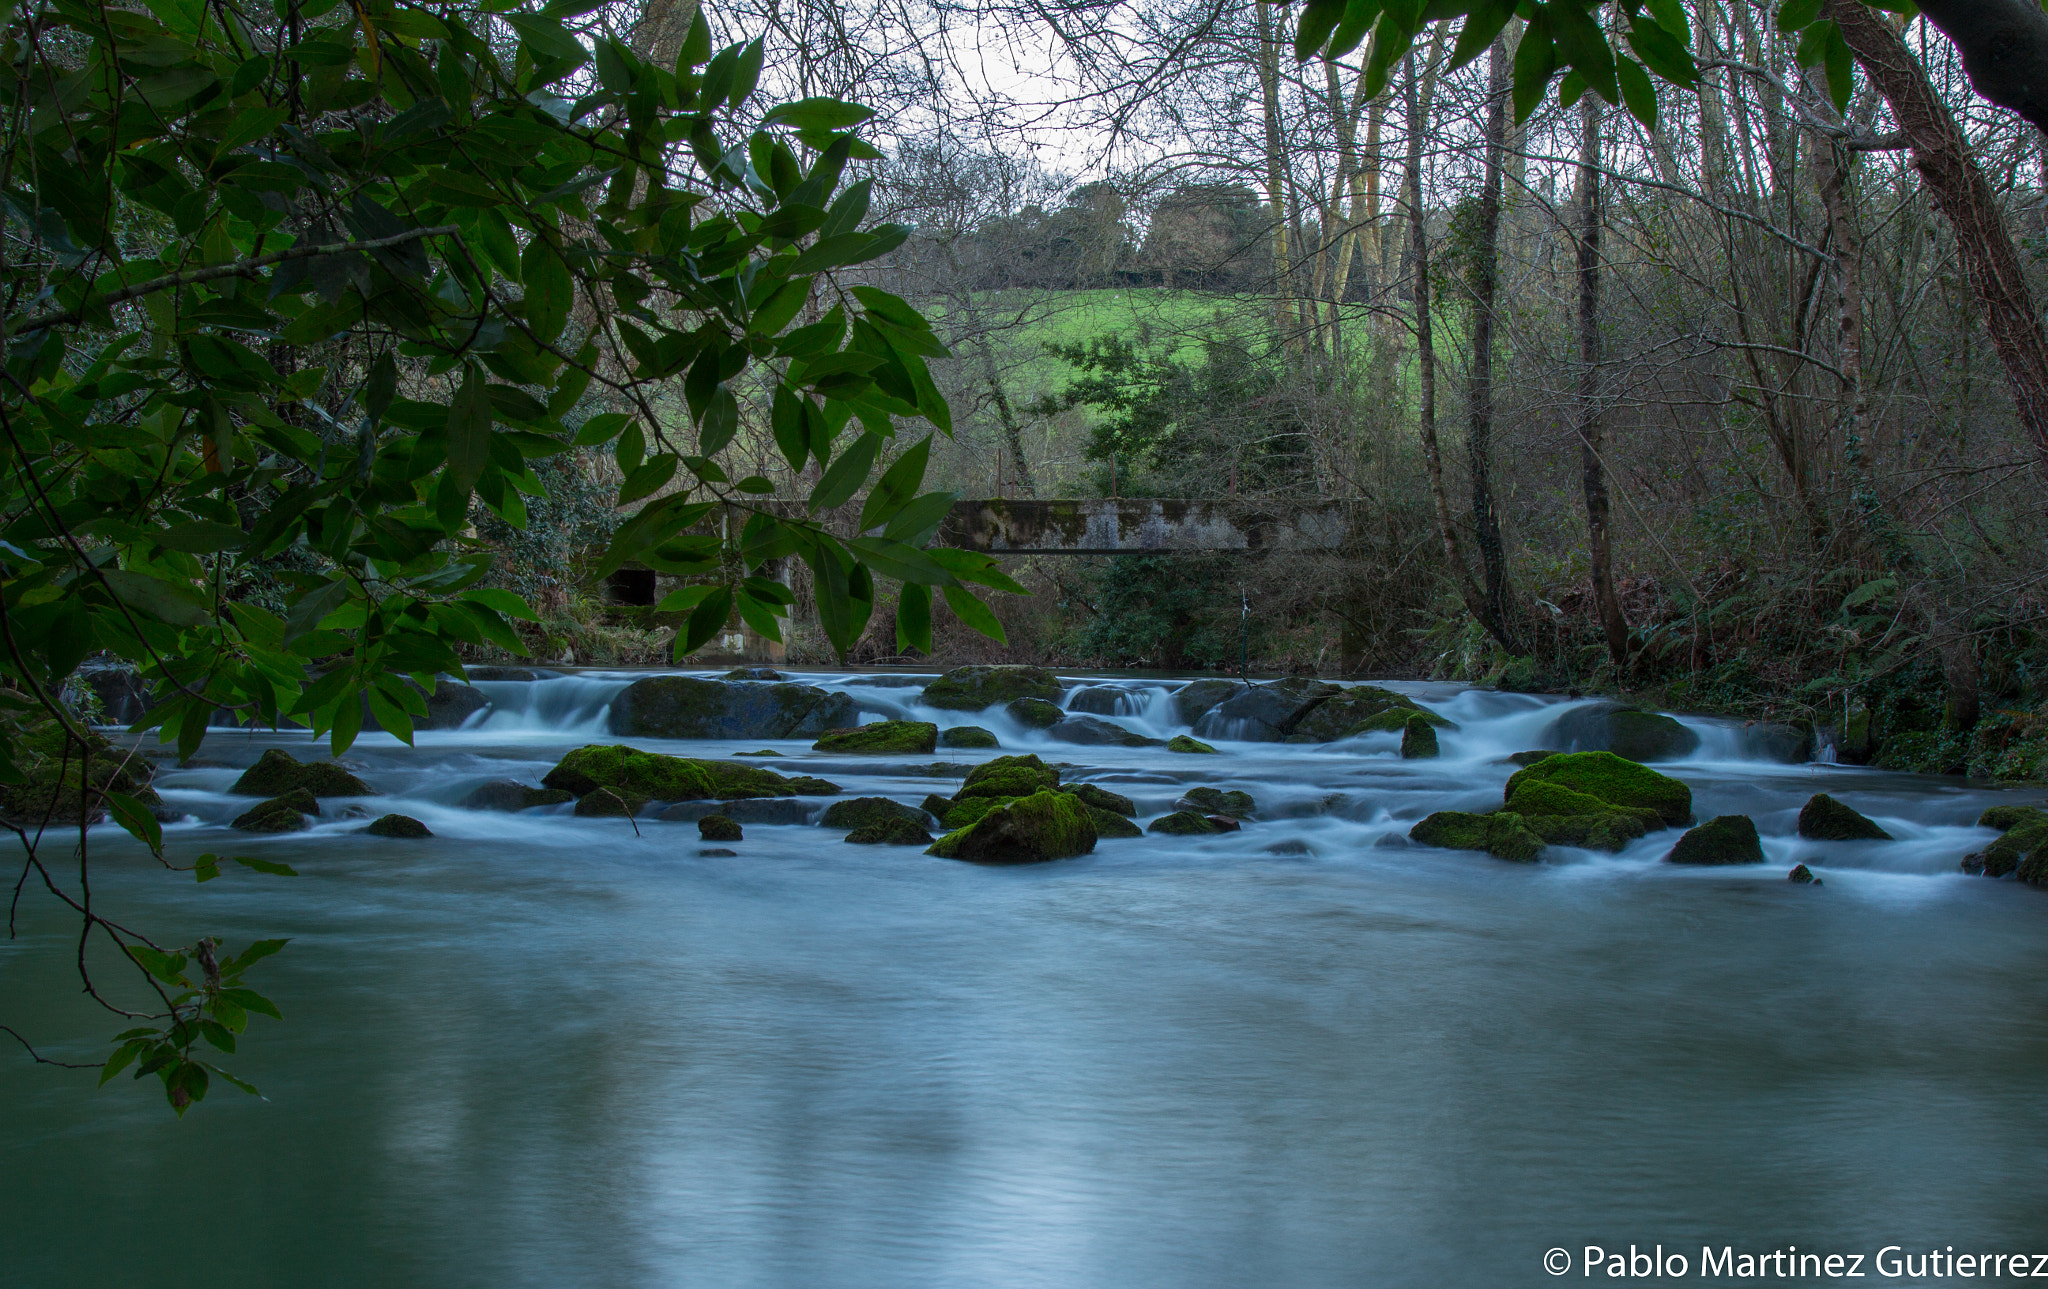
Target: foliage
<point>286,300</point>
<point>1164,610</point>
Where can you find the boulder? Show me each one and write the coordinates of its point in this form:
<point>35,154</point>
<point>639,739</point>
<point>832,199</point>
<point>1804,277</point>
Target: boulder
<point>1418,740</point>
<point>509,794</point>
<point>972,689</point>
<point>653,776</point>
<point>1099,700</point>
<point>1093,731</point>
<point>398,826</point>
<point>2026,837</point>
<point>1193,701</point>
<point>691,707</point>
<point>1501,834</point>
<point>756,810</point>
<point>1265,713</point>
<point>1528,758</point>
<point>1009,776</point>
<point>935,805</point>
<point>1777,741</point>
<point>1111,825</point>
<point>754,673</point>
<point>1213,801</point>
<point>1625,731</point>
<point>1802,875</point>
<point>1182,743</point>
<point>859,812</point>
<point>1183,823</point>
<point>1224,823</point>
<point>50,791</point>
<point>1098,798</point>
<point>968,736</point>
<point>719,828</point>
<point>1613,780</point>
<point>1724,839</point>
<point>959,814</point>
<point>285,813</point>
<point>1361,709</point>
<point>1044,826</point>
<point>1034,713</point>
<point>1823,818</point>
<point>890,832</point>
<point>762,751</point>
<point>2007,818</point>
<point>609,803</point>
<point>1543,797</point>
<point>881,738</point>
<point>449,707</point>
<point>278,772</point>
<point>1608,832</point>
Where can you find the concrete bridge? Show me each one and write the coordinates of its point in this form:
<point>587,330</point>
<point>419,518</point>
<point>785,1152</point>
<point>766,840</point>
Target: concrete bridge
<point>1127,526</point>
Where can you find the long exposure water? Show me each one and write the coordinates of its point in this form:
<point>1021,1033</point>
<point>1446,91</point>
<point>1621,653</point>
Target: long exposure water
<point>540,1050</point>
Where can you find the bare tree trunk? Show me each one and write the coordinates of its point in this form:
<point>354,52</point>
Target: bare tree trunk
<point>1425,339</point>
<point>1500,619</point>
<point>1285,321</point>
<point>1599,541</point>
<point>1942,156</point>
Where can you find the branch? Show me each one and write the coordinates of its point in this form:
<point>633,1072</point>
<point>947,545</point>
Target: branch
<point>241,268</point>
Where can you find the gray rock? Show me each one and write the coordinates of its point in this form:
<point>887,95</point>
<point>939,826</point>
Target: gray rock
<point>1265,713</point>
<point>398,826</point>
<point>451,705</point>
<point>690,707</point>
<point>861,812</point>
<point>1192,702</point>
<point>1773,741</point>
<point>509,794</point>
<point>1625,731</point>
<point>1034,712</point>
<point>1093,731</point>
<point>1098,700</point>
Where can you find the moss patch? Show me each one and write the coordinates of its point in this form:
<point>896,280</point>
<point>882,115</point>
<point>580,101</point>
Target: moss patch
<point>286,813</point>
<point>1036,713</point>
<point>1183,823</point>
<point>860,812</point>
<point>968,736</point>
<point>1043,826</point>
<point>654,776</point>
<point>967,810</point>
<point>1823,818</point>
<point>1098,798</point>
<point>1213,801</point>
<point>1182,743</point>
<point>890,832</point>
<point>1418,740</point>
<point>398,826</point>
<point>1616,781</point>
<point>1109,824</point>
<point>882,737</point>
<point>719,828</point>
<point>278,771</point>
<point>1009,776</point>
<point>1501,834</point>
<point>1724,839</point>
<point>971,689</point>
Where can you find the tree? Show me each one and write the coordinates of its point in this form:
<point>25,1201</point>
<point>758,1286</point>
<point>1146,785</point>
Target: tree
<point>288,302</point>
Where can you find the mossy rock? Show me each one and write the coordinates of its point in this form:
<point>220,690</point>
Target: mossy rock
<point>719,828</point>
<point>1009,776</point>
<point>398,826</point>
<point>890,832</point>
<point>1183,823</point>
<point>935,805</point>
<point>1395,720</point>
<point>1418,740</point>
<point>1529,758</point>
<point>765,751</point>
<point>695,708</point>
<point>1193,701</point>
<point>2007,818</point>
<point>657,777</point>
<point>1610,832</point>
<point>1541,797</point>
<point>278,772</point>
<point>1044,826</point>
<point>1093,731</point>
<point>859,812</point>
<point>608,803</point>
<point>973,689</point>
<point>1626,731</point>
<point>1823,818</point>
<point>1362,709</point>
<point>50,791</point>
<point>1099,798</point>
<point>754,673</point>
<point>1803,876</point>
<point>285,813</point>
<point>968,736</point>
<point>1214,801</point>
<point>1111,825</point>
<point>1724,839</point>
<point>882,738</point>
<point>1612,779</point>
<point>2019,843</point>
<point>1501,834</point>
<point>1035,713</point>
<point>966,810</point>
<point>1182,743</point>
<point>511,795</point>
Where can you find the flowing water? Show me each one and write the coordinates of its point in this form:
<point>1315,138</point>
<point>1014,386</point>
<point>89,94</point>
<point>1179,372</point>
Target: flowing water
<point>539,1050</point>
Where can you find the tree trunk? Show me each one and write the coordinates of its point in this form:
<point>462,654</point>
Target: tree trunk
<point>1942,156</point>
<point>1285,322</point>
<point>1499,618</point>
<point>1425,339</point>
<point>1599,542</point>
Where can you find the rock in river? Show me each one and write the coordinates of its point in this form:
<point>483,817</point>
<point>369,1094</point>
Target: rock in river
<point>881,738</point>
<point>971,689</point>
<point>1418,740</point>
<point>1093,731</point>
<point>1612,779</point>
<point>890,832</point>
<point>1265,713</point>
<point>1724,839</point>
<point>1034,713</point>
<point>1009,776</point>
<point>398,826</point>
<point>653,776</point>
<point>1044,826</point>
<point>1500,834</point>
<point>968,736</point>
<point>1825,819</point>
<point>690,707</point>
<point>719,828</point>
<point>510,794</point>
<point>285,813</point>
<point>1625,731</point>
<point>859,812</point>
<point>1182,743</point>
<point>278,772</point>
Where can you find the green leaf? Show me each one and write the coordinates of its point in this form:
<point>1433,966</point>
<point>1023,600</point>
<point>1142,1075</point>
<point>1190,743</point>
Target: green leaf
<point>973,614</point>
<point>897,486</point>
<point>759,616</point>
<point>501,601</point>
<point>817,114</point>
<point>176,603</point>
<point>705,621</point>
<point>914,619</point>
<point>900,562</point>
<point>202,537</point>
<point>1798,15</point>
<point>647,478</point>
<point>120,1060</point>
<point>787,419</point>
<point>1637,92</point>
<point>1841,64</point>
<point>1482,27</point>
<point>206,868</point>
<point>1535,59</point>
<point>549,289</point>
<point>844,476</point>
<point>1318,19</point>
<point>165,967</point>
<point>469,432</point>
<point>348,722</point>
<point>136,819</point>
<point>917,521</point>
<point>601,429</point>
<point>546,37</point>
<point>275,870</point>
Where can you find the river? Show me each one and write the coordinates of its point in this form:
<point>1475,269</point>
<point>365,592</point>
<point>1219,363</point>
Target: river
<point>540,1050</point>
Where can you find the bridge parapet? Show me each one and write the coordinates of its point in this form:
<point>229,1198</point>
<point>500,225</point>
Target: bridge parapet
<point>1127,526</point>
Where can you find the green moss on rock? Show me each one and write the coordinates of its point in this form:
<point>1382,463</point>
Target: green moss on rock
<point>1361,709</point>
<point>890,832</point>
<point>966,810</point>
<point>50,791</point>
<point>971,689</point>
<point>859,812</point>
<point>657,777</point>
<point>608,803</point>
<point>1823,818</point>
<point>285,813</point>
<point>719,828</point>
<point>1616,781</point>
<point>1009,776</point>
<point>1609,832</point>
<point>1501,834</point>
<point>1183,823</point>
<point>1035,713</point>
<point>1109,824</point>
<point>398,826</point>
<point>278,772</point>
<point>1099,798</point>
<point>2006,818</point>
<point>1418,740</point>
<point>882,738</point>
<point>1724,839</point>
<point>1044,826</point>
<point>968,736</point>
<point>1214,801</point>
<point>1182,743</point>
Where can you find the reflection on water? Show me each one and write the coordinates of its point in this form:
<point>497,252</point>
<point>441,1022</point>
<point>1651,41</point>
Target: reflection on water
<point>541,1050</point>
